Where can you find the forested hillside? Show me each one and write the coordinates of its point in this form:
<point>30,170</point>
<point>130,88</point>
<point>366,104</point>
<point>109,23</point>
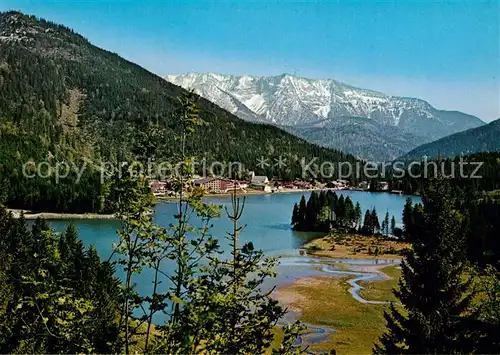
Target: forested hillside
<point>63,99</point>
<point>482,139</point>
<point>478,172</point>
<point>363,137</point>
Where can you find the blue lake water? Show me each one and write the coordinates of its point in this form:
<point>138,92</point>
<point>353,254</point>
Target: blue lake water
<point>267,219</point>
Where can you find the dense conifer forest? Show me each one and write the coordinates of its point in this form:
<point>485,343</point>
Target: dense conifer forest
<point>50,281</point>
<point>481,172</point>
<point>325,211</point>
<point>481,139</point>
<point>450,284</point>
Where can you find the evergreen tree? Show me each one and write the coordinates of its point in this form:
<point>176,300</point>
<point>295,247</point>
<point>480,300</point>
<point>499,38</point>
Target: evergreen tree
<point>332,199</point>
<point>375,223</point>
<point>393,225</point>
<point>295,215</point>
<point>408,221</point>
<point>349,212</point>
<point>323,199</point>
<point>301,218</point>
<point>312,211</point>
<point>340,210</point>
<point>335,201</point>
<point>385,224</point>
<point>431,288</point>
<point>367,223</point>
<point>359,215</point>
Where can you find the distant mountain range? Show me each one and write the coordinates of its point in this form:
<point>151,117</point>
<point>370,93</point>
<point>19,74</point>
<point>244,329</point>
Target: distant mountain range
<point>307,106</point>
<point>482,139</point>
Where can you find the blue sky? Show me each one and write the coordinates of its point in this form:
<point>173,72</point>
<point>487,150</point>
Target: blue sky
<point>446,52</point>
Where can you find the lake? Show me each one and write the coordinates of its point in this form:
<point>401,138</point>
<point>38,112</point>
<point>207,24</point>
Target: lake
<point>267,219</point>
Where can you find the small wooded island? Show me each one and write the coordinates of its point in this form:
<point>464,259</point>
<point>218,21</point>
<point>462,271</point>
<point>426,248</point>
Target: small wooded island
<point>349,234</point>
<point>326,211</point>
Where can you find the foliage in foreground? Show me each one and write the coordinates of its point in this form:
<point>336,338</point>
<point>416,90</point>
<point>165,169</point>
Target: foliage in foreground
<point>55,295</point>
<point>439,316</point>
<point>58,298</point>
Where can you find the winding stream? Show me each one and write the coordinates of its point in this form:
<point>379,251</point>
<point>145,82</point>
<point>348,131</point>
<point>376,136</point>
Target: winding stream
<point>305,266</point>
<point>356,287</point>
<point>311,266</point>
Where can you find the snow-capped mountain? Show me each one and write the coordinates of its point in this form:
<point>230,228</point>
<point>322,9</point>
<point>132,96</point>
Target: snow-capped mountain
<point>288,100</point>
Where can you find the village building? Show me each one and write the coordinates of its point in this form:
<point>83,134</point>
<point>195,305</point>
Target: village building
<point>383,185</point>
<point>238,185</point>
<point>219,185</point>
<point>303,185</point>
<point>258,180</point>
<point>157,187</point>
<point>212,184</point>
<point>365,185</point>
<point>338,184</point>
<point>260,183</point>
<point>263,187</point>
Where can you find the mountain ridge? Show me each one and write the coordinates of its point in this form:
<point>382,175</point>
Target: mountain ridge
<point>363,100</point>
<point>475,140</point>
<point>289,100</point>
<point>386,143</point>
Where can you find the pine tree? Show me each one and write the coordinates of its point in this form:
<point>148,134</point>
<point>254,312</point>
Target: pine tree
<point>383,227</point>
<point>349,212</point>
<point>301,217</point>
<point>385,224</point>
<point>408,222</point>
<point>323,199</point>
<point>332,199</point>
<point>295,214</point>
<point>335,202</point>
<point>359,215</point>
<point>393,225</point>
<point>431,288</point>
<point>340,211</point>
<point>367,223</point>
<point>375,223</point>
<point>312,211</point>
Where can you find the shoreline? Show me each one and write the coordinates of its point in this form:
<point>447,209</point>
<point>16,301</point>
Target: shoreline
<point>239,193</point>
<point>287,191</point>
<point>28,215</point>
<point>355,246</point>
